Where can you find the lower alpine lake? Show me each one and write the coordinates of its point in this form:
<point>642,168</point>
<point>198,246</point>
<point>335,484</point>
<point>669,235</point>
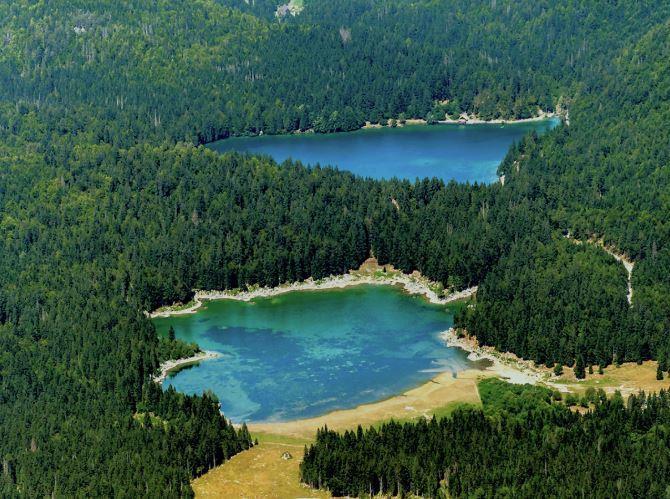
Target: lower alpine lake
<point>465,153</point>
<point>306,353</point>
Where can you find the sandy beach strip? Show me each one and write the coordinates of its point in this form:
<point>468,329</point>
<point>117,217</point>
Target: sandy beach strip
<point>443,389</point>
<point>505,366</point>
<point>473,120</point>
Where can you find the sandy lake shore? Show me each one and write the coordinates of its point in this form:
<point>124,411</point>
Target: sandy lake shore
<point>469,120</point>
<point>473,120</point>
<point>439,392</point>
<point>505,366</point>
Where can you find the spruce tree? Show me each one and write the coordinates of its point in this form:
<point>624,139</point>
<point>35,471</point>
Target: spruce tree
<point>580,373</point>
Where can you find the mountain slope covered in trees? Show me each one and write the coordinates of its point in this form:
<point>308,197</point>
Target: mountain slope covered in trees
<point>522,445</point>
<point>605,176</point>
<point>108,207</point>
<point>197,71</point>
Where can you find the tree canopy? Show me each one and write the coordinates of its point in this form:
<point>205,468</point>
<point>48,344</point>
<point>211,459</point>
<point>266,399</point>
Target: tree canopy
<point>110,206</point>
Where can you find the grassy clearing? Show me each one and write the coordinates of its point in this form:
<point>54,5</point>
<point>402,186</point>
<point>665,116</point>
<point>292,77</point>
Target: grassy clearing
<point>447,410</point>
<point>439,412</point>
<point>258,472</point>
<point>628,378</point>
<point>272,438</point>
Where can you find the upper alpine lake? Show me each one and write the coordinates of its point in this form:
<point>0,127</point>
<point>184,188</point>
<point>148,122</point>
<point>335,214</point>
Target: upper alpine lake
<point>465,153</point>
<point>307,353</point>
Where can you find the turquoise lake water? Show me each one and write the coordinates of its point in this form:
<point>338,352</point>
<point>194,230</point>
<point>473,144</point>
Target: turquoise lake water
<point>459,152</point>
<point>304,354</point>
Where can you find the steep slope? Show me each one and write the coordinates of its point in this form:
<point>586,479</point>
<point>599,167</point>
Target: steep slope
<point>103,214</point>
<point>606,176</point>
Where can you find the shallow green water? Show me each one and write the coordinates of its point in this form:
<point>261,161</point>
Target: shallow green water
<point>459,152</point>
<point>303,354</point>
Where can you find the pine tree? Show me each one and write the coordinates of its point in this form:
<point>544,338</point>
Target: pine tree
<point>580,373</point>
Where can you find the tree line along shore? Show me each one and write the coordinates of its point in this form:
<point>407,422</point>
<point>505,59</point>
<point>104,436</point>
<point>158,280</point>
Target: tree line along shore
<point>109,206</point>
<point>370,272</point>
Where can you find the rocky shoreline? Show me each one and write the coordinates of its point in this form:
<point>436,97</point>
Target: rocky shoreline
<point>171,365</point>
<point>413,284</point>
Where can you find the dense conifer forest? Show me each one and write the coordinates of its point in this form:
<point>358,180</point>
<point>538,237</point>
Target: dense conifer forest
<point>605,176</point>
<point>521,444</point>
<point>109,206</point>
<point>180,70</point>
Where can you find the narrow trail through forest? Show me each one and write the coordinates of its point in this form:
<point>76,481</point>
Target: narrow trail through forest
<point>625,261</point>
<point>628,265</point>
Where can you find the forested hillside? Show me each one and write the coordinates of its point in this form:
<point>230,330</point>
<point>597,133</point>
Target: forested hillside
<point>94,235</point>
<point>520,445</point>
<point>108,207</point>
<point>605,176</point>
<point>556,303</point>
<point>197,71</point>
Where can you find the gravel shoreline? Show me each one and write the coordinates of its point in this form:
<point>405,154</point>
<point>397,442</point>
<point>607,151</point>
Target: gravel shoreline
<point>412,283</point>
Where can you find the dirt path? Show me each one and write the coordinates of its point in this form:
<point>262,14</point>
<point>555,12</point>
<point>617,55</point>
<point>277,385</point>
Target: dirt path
<point>623,259</point>
<point>628,265</point>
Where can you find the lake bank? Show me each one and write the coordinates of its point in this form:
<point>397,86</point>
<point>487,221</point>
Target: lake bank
<point>470,119</point>
<point>627,378</point>
<point>413,284</point>
<point>174,365</point>
<point>504,365</point>
<point>463,119</point>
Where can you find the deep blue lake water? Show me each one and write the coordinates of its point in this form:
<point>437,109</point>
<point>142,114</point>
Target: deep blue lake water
<point>304,354</point>
<point>459,152</point>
